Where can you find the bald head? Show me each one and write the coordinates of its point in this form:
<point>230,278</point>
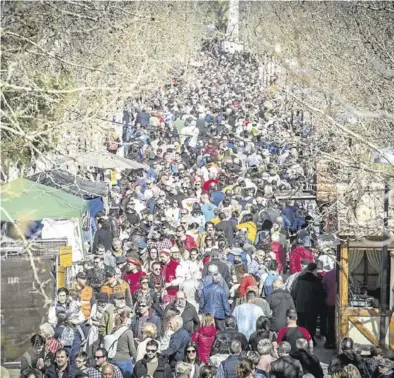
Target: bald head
<point>108,371</point>
<point>213,269</point>
<point>278,284</point>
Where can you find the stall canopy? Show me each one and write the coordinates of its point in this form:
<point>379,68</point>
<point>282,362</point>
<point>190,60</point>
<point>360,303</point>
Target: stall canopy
<point>106,160</point>
<point>23,199</point>
<point>70,183</point>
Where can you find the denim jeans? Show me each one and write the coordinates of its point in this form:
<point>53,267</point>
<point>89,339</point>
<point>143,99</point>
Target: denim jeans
<point>125,366</point>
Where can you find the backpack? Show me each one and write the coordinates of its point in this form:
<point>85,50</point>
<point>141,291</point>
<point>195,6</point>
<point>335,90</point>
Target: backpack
<point>111,341</point>
<point>67,337</point>
<point>268,283</point>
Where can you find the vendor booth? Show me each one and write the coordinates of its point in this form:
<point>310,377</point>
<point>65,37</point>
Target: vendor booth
<point>365,291</point>
<point>29,265</point>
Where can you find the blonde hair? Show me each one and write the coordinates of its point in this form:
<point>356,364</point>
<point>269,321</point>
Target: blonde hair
<point>47,330</point>
<point>149,330</point>
<point>207,320</point>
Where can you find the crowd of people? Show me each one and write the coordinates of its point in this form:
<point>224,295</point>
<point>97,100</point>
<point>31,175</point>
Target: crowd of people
<point>198,269</point>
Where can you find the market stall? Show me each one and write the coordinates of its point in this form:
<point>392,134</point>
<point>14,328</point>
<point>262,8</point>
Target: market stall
<point>365,297</point>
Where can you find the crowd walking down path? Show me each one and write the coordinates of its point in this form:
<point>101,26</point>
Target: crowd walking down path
<point>207,263</point>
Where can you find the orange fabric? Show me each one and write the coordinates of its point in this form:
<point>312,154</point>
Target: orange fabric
<point>122,287</point>
<point>86,295</point>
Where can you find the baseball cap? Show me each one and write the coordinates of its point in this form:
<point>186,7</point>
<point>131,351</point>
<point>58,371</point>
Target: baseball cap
<point>120,260</point>
<point>118,295</point>
<point>103,297</point>
<point>110,272</point>
<point>142,244</point>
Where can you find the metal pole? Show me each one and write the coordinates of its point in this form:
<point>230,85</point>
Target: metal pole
<point>384,268</point>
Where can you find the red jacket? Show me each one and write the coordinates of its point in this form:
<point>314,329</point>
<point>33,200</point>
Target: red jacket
<point>204,337</point>
<point>280,255</point>
<point>133,279</point>
<point>296,255</point>
<point>169,274</point>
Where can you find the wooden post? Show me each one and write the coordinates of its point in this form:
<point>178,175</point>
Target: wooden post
<point>343,290</point>
<point>391,335</point>
<point>344,276</point>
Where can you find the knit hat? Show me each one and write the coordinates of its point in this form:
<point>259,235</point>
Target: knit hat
<point>103,297</point>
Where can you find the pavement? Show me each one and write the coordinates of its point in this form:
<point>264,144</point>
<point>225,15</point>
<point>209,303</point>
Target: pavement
<point>324,355</point>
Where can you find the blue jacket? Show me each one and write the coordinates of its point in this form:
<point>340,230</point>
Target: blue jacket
<point>214,300</point>
<point>176,350</point>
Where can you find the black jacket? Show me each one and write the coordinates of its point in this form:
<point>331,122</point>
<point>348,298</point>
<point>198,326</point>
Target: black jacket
<point>228,335</point>
<point>309,362</point>
<point>286,367</point>
<point>348,357</point>
<point>280,301</point>
<point>163,369</point>
<point>191,321</point>
<point>103,237</point>
<point>70,372</point>
<point>309,293</point>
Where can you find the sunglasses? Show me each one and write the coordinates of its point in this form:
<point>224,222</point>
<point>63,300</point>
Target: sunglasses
<point>144,282</point>
<point>142,305</point>
<point>151,350</point>
<point>157,270</point>
<point>98,357</point>
<point>190,351</point>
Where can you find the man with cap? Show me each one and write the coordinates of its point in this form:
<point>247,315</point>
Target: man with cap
<point>112,286</point>
<point>121,264</point>
<point>133,274</point>
<point>86,294</point>
<point>309,298</point>
<point>168,272</point>
<point>107,320</point>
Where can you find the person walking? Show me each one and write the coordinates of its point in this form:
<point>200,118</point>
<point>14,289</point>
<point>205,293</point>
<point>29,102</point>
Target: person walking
<point>205,336</point>
<point>214,301</point>
<point>125,350</point>
<point>176,349</point>
<point>293,332</point>
<point>280,301</point>
<point>247,313</point>
<point>153,364</point>
<point>286,366</point>
<point>309,362</point>
<point>228,368</point>
<point>309,298</point>
<point>191,321</point>
<point>330,286</point>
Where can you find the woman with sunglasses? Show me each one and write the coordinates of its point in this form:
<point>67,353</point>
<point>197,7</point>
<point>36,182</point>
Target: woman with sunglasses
<point>145,293</point>
<point>191,357</point>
